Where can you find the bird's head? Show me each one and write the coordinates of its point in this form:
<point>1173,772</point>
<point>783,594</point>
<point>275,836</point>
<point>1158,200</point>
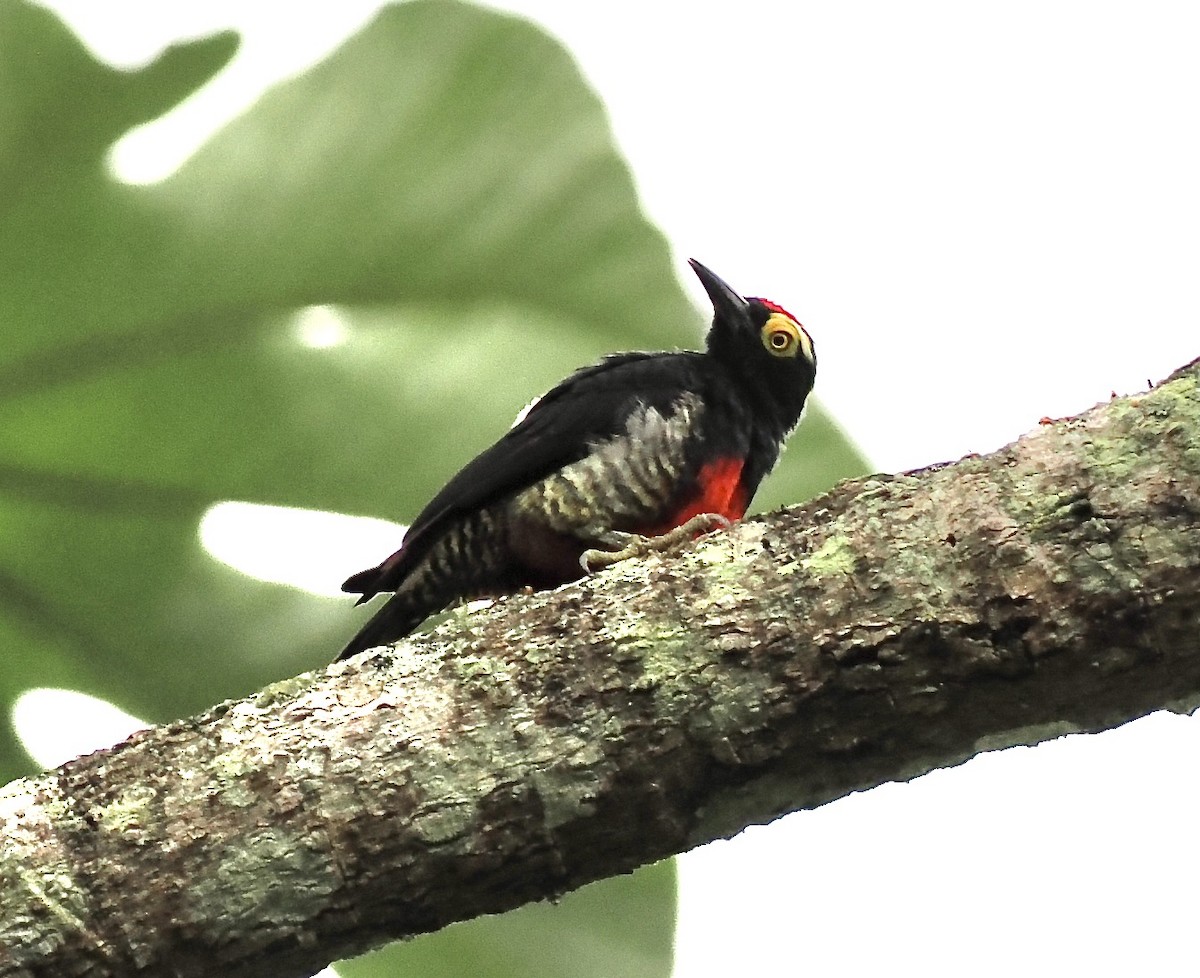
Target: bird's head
<point>762,343</point>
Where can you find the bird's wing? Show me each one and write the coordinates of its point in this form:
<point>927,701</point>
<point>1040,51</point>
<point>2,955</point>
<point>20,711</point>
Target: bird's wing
<point>590,405</point>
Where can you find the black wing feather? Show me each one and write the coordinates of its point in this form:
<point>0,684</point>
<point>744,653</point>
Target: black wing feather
<point>590,405</point>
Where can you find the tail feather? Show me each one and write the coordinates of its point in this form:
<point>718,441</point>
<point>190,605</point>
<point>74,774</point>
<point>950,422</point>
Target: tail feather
<point>388,576</point>
<point>396,619</point>
<point>365,584</point>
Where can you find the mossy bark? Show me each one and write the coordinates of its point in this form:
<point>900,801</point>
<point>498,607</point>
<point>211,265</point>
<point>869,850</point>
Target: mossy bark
<point>898,624</point>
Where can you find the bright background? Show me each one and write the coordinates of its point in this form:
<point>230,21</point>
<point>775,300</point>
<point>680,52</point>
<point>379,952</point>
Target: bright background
<point>984,214</point>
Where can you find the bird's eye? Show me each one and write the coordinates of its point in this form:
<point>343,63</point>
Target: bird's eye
<point>781,336</point>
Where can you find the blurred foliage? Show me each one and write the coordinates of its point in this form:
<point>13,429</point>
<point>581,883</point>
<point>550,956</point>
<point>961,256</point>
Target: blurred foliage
<point>617,928</point>
<point>449,183</point>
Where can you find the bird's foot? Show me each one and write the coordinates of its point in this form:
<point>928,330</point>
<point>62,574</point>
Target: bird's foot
<point>635,545</point>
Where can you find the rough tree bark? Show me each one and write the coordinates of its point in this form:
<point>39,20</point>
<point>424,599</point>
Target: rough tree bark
<point>897,624</point>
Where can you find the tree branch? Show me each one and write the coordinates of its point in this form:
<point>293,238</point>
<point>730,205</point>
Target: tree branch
<point>898,624</point>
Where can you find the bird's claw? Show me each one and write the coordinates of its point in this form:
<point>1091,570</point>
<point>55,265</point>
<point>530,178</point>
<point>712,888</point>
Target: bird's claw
<point>636,545</point>
<point>699,524</point>
<point>593,560</point>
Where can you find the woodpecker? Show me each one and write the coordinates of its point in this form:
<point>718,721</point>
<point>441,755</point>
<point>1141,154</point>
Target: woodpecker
<point>634,451</point>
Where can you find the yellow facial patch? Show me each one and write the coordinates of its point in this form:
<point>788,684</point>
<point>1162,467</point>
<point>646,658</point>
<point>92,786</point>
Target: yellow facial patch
<point>784,337</point>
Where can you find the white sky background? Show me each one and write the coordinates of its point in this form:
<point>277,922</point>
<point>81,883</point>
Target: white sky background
<point>984,214</point>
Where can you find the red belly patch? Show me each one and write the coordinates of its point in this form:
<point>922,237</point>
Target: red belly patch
<point>719,491</point>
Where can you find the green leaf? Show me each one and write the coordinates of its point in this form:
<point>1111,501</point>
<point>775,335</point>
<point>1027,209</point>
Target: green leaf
<point>447,182</point>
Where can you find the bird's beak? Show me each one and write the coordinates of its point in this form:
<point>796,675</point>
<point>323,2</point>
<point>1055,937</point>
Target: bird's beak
<point>727,304</point>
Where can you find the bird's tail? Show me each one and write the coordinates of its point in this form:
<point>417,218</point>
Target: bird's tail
<point>397,618</point>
